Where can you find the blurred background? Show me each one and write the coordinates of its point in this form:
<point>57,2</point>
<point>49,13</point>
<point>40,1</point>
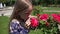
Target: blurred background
<point>39,6</point>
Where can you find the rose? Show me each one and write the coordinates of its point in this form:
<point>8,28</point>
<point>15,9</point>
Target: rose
<point>43,17</point>
<point>55,18</point>
<point>59,15</point>
<point>34,22</point>
<point>46,23</point>
<point>58,20</point>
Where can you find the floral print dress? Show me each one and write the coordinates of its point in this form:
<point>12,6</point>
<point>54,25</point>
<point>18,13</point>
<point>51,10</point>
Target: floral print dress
<point>16,28</point>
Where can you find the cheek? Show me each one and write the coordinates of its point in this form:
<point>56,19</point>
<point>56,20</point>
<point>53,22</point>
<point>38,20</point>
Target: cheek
<point>30,8</point>
<point>28,11</point>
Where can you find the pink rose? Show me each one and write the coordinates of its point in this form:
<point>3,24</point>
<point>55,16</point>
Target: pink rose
<point>43,17</point>
<point>46,23</point>
<point>56,18</point>
<point>59,15</point>
<point>34,22</point>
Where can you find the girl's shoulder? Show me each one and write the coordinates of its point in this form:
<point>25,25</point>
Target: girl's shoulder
<point>15,21</point>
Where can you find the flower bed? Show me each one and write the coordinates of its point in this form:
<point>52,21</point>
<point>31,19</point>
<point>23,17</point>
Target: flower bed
<point>48,24</point>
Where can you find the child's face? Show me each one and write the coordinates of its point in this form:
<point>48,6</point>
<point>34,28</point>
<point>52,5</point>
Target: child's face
<point>25,13</point>
<point>28,11</point>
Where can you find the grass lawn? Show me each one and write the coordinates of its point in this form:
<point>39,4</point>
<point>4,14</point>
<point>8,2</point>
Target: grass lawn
<point>4,24</point>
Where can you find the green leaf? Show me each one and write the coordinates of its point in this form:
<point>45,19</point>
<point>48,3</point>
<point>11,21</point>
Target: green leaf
<point>41,29</point>
<point>42,22</point>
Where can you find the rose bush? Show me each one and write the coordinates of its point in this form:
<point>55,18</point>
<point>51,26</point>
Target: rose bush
<point>46,23</point>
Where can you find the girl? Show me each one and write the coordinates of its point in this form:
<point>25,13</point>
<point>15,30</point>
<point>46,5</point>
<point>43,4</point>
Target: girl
<point>18,22</point>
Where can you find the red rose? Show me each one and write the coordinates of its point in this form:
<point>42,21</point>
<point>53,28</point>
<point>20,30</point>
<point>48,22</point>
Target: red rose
<point>44,17</point>
<point>56,18</point>
<point>34,22</point>
<point>59,15</point>
<point>46,23</point>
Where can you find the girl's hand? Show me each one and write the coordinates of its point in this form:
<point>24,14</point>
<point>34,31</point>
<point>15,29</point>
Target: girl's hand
<point>27,23</point>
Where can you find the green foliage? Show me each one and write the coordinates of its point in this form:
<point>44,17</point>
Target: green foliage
<point>37,10</point>
<point>45,2</point>
<point>8,2</point>
<point>35,2</point>
<point>41,10</point>
<point>3,1</point>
